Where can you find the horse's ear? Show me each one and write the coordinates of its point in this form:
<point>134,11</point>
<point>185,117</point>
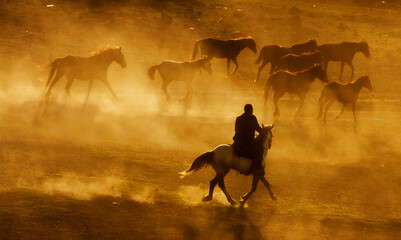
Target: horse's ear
<point>272,126</point>
<point>119,49</point>
<point>263,126</point>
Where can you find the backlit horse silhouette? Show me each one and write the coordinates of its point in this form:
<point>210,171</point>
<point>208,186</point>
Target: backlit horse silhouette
<point>224,49</point>
<point>223,158</point>
<point>343,52</point>
<point>293,83</point>
<point>344,93</point>
<point>272,54</point>
<point>85,68</point>
<point>180,71</point>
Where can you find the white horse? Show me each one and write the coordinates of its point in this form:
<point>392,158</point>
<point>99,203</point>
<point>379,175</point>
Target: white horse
<point>223,158</point>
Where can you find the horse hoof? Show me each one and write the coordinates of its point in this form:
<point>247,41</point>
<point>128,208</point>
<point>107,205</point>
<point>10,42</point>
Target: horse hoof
<point>206,198</point>
<point>232,203</point>
<point>241,203</point>
<point>274,198</point>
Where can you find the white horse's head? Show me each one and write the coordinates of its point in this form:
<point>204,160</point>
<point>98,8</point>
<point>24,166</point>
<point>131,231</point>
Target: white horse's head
<point>267,131</point>
<point>267,136</point>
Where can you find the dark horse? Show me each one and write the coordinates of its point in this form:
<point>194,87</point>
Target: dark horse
<point>272,54</point>
<point>85,68</point>
<point>223,158</point>
<point>344,93</point>
<point>294,83</point>
<point>180,71</point>
<point>343,52</point>
<point>296,63</point>
<point>224,49</point>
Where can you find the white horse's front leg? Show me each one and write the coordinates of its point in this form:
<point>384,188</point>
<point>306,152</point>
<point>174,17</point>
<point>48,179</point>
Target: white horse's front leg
<point>266,183</point>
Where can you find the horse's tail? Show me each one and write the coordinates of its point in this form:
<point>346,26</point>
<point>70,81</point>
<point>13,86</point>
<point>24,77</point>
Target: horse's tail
<point>54,65</point>
<point>196,47</point>
<point>260,57</point>
<point>267,89</point>
<point>200,162</point>
<point>152,70</point>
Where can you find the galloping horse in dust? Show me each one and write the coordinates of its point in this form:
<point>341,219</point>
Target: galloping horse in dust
<point>344,93</point>
<point>180,71</point>
<point>296,63</point>
<point>343,52</point>
<point>85,68</point>
<point>224,49</point>
<point>223,158</point>
<point>272,54</point>
<point>294,83</point>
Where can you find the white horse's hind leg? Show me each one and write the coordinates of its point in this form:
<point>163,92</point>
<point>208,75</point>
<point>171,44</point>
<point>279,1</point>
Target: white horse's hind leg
<point>213,182</point>
<point>255,181</point>
<point>223,188</point>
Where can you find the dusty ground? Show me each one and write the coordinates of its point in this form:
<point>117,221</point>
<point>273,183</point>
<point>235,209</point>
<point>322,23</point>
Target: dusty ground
<point>110,171</point>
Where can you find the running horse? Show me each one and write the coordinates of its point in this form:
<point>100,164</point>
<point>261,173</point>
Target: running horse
<point>224,49</point>
<point>85,68</point>
<point>293,83</point>
<point>223,159</point>
<point>343,52</point>
<point>179,71</point>
<point>272,54</point>
<point>344,93</point>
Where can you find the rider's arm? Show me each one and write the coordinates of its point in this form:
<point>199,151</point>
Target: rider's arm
<point>257,126</point>
<point>237,127</point>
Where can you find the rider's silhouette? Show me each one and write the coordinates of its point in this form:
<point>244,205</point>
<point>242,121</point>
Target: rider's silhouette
<point>245,127</point>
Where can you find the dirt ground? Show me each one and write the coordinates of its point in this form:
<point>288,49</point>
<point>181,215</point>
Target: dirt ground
<point>110,170</point>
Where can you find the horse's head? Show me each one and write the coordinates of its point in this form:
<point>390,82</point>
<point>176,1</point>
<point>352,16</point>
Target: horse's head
<point>267,135</point>
<point>251,44</point>
<point>119,57</point>
<point>366,83</point>
<point>319,72</point>
<point>364,47</point>
<point>206,65</point>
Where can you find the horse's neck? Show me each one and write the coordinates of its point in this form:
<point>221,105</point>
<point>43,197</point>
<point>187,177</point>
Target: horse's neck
<point>307,75</point>
<point>103,59</point>
<point>196,64</point>
<point>356,47</point>
<point>242,44</point>
<point>357,85</point>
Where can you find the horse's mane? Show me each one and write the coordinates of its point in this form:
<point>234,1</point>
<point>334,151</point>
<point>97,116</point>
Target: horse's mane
<point>303,54</point>
<point>203,58</point>
<point>242,38</point>
<point>359,79</point>
<point>351,83</point>
<point>104,49</point>
<point>308,69</point>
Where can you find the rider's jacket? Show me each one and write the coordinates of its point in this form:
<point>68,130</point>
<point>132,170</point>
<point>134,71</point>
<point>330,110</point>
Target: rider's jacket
<point>245,127</point>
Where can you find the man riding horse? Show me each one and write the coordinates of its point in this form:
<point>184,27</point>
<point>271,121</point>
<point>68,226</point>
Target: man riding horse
<point>245,127</point>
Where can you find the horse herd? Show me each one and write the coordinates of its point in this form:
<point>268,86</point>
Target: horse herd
<point>293,69</point>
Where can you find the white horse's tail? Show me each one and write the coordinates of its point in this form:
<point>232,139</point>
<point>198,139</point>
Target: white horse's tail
<point>202,161</point>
